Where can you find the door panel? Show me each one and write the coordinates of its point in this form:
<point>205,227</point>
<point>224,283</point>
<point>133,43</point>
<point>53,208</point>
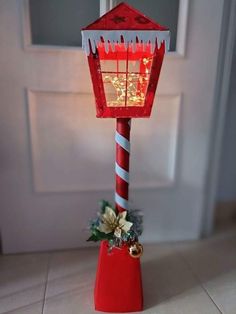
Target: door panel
<point>72,151</point>
<point>58,159</point>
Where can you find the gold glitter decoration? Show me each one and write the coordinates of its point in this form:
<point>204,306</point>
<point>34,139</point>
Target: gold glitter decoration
<point>136,250</point>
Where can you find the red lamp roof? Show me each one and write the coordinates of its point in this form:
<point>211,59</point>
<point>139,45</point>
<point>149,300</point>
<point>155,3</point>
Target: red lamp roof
<point>126,25</point>
<point>124,17</point>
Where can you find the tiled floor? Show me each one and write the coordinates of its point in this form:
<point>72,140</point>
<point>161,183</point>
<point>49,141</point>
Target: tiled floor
<point>181,278</point>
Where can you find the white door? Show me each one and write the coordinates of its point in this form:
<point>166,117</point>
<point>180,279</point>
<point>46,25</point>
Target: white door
<point>57,159</point>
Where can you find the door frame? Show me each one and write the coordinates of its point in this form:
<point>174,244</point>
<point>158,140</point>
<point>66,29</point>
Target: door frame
<point>228,38</point>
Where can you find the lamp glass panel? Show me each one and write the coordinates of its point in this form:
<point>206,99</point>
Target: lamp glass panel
<point>125,75</point>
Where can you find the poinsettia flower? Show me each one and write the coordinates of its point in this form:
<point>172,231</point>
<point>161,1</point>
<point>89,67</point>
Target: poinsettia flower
<point>110,222</point>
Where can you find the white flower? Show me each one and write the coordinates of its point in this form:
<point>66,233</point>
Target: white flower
<point>110,222</point>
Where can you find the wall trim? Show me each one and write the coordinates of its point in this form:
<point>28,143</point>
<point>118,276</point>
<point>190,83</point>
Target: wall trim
<point>182,28</point>
<point>225,212</point>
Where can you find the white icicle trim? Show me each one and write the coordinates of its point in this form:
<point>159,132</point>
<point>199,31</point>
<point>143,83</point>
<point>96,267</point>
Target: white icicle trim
<point>129,37</point>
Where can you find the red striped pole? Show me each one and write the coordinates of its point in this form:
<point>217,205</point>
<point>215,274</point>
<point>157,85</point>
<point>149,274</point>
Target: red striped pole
<point>122,138</point>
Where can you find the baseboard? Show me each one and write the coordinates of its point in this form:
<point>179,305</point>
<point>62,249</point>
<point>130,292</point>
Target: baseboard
<point>225,212</point>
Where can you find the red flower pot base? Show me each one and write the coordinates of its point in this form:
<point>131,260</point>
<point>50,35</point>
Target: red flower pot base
<point>118,286</point>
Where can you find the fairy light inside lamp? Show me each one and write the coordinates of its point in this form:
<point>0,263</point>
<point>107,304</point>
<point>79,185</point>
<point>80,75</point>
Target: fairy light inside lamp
<point>125,71</point>
<point>129,88</point>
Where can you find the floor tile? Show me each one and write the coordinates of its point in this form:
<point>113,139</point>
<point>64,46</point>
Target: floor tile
<point>69,262</point>
<point>22,280</point>
<point>165,274</point>
<point>210,258</point>
<point>71,270</point>
<point>22,298</point>
<point>222,290</point>
<point>30,309</point>
<point>213,261</point>
<point>192,301</point>
<point>73,302</point>
<point>71,282</point>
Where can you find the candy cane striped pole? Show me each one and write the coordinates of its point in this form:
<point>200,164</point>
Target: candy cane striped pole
<point>122,138</point>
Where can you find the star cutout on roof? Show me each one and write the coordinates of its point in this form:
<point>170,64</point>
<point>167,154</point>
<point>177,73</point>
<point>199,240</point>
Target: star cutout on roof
<point>118,19</point>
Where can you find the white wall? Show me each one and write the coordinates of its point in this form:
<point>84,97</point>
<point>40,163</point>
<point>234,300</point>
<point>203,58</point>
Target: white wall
<point>227,177</point>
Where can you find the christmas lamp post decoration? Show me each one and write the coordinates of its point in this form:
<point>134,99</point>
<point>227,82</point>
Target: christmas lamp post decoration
<point>125,51</point>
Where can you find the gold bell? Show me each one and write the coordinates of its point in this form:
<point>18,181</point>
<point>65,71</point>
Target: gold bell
<point>135,250</point>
